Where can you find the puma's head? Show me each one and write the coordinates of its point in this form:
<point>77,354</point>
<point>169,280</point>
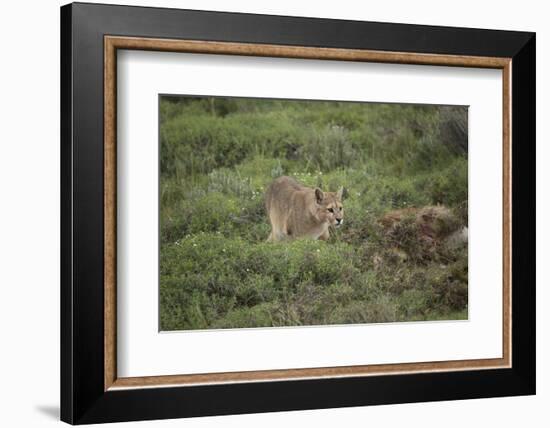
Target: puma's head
<point>329,207</point>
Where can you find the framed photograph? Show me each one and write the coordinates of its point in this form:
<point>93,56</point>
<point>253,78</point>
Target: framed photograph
<point>265,213</point>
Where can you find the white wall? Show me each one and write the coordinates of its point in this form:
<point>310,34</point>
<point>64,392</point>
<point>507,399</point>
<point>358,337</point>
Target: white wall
<point>29,226</point>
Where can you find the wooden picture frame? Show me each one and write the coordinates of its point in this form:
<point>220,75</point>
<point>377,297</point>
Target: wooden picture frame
<point>91,390</point>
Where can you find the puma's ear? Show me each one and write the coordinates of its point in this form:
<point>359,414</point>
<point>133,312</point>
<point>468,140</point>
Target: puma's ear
<point>340,193</point>
<point>319,195</point>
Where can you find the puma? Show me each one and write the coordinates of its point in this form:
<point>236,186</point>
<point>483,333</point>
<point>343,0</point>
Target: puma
<point>297,211</point>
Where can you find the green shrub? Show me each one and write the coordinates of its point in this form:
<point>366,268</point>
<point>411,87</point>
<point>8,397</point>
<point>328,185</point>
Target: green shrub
<point>448,186</point>
<point>328,148</point>
<point>213,212</point>
<point>230,183</point>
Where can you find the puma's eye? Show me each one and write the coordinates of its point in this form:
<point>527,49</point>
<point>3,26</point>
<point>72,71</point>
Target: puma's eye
<point>331,210</point>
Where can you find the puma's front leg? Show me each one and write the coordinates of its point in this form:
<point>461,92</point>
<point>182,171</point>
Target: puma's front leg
<point>325,235</point>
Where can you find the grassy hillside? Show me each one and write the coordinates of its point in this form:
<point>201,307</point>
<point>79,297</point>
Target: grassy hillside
<point>219,155</point>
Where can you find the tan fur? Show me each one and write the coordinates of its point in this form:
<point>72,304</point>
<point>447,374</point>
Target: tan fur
<point>296,211</point>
